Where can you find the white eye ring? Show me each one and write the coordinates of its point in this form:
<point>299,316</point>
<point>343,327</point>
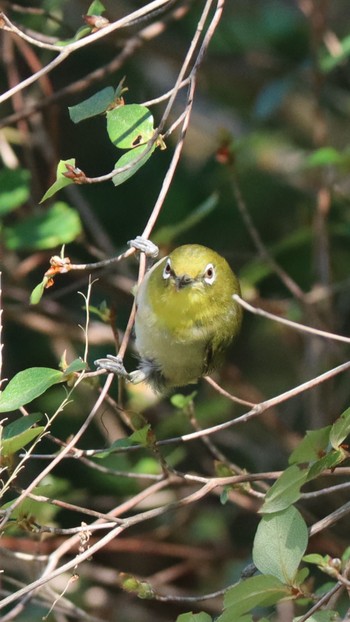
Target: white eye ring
<point>209,274</point>
<point>167,272</point>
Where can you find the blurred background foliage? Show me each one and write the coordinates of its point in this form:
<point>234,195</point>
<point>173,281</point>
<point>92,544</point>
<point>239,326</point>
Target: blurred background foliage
<point>274,94</point>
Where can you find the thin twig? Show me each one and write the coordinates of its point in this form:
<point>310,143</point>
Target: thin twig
<point>229,396</point>
<point>76,45</point>
<point>331,519</point>
<point>130,47</point>
<point>323,601</point>
<point>255,235</point>
<point>64,451</point>
<point>263,406</point>
<point>302,327</point>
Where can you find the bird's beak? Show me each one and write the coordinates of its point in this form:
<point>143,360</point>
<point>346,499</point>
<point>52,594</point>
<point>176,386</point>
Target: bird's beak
<point>182,281</point>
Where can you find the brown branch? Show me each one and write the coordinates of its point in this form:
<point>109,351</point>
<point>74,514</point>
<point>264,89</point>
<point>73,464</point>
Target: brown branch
<point>131,46</point>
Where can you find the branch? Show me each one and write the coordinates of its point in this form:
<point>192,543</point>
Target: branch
<point>75,45</point>
<point>295,325</point>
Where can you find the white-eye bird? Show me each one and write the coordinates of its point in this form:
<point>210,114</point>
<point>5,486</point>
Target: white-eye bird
<point>186,317</point>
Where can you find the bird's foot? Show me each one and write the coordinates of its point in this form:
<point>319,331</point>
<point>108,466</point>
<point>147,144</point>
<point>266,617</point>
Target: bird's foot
<point>144,246</point>
<point>113,364</point>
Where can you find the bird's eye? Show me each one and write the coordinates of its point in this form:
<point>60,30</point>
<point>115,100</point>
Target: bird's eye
<point>167,269</point>
<point>209,274</point>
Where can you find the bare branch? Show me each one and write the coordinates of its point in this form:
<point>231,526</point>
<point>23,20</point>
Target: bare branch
<point>302,327</point>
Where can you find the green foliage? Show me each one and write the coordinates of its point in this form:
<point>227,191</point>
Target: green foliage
<point>14,189</point>
<point>38,291</point>
<point>135,160</point>
<point>60,224</point>
<point>312,447</point>
<point>340,429</point>
<point>321,616</point>
<point>130,126</point>
<point>31,512</point>
<point>181,401</point>
<point>286,490</point>
<point>260,591</point>
<point>98,103</point>
<point>194,617</point>
<point>141,589</point>
<point>94,105</point>
<point>19,433</point>
<point>280,543</point>
<point>27,385</point>
<point>319,450</point>
<point>96,8</point>
<point>327,156</point>
<point>61,180</point>
<point>266,157</point>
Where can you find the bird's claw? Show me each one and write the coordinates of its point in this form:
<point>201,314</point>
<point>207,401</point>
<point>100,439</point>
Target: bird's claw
<point>144,246</point>
<point>113,364</point>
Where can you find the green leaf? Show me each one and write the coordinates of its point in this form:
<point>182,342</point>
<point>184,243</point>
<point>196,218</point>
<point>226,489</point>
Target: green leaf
<point>280,543</point>
<point>93,106</point>
<point>82,32</point>
<point>128,158</point>
<point>140,437</point>
<point>324,157</point>
<point>75,366</point>
<point>142,589</point>
<point>120,444</point>
<point>42,512</point>
<point>19,433</point>
<point>37,293</point>
<point>225,494</point>
<point>14,189</point>
<point>315,558</point>
<point>181,401</point>
<point>20,425</point>
<point>340,429</point>
<point>346,555</point>
<point>96,8</point>
<point>321,616</point>
<point>194,617</point>
<point>130,126</point>
<point>61,180</point>
<point>301,576</point>
<point>60,224</point>
<point>8,448</point>
<point>27,385</point>
<point>286,490</point>
<point>329,461</point>
<point>166,234</point>
<point>312,447</point>
<point>262,590</point>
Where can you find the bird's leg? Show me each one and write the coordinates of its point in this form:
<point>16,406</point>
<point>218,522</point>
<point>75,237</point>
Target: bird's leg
<point>113,364</point>
<point>144,246</point>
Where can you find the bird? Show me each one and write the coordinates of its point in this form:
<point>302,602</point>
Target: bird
<point>186,317</point>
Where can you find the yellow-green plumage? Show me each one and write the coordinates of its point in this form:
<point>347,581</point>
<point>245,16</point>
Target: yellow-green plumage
<point>186,316</point>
